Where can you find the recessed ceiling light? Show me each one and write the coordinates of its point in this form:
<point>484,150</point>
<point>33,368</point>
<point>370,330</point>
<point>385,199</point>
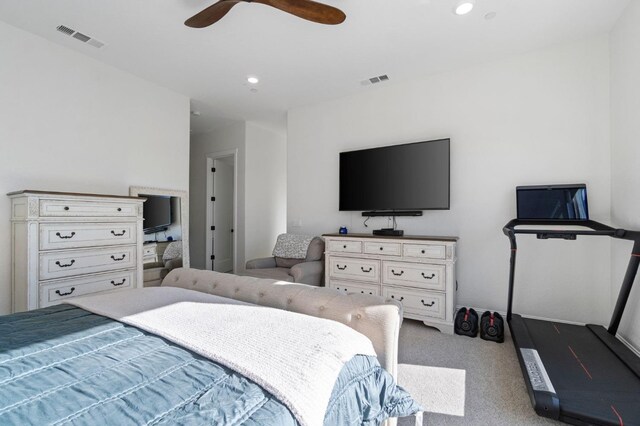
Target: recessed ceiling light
<point>253,80</point>
<point>464,7</point>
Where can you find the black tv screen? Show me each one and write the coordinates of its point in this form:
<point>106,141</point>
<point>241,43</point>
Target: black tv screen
<point>412,176</point>
<point>156,212</point>
<point>552,202</point>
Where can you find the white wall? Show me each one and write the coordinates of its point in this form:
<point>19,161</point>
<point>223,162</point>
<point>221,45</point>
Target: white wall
<point>261,189</point>
<point>266,190</point>
<point>70,123</point>
<point>537,118</point>
<point>227,138</point>
<point>625,157</point>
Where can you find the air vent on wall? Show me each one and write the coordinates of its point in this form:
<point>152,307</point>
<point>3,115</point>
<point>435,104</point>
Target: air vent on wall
<point>375,80</point>
<point>79,36</point>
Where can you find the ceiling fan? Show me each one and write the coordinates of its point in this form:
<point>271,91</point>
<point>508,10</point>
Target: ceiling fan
<point>305,9</point>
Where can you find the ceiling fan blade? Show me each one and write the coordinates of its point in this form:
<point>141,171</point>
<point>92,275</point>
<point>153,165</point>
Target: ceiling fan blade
<point>211,15</point>
<point>309,10</point>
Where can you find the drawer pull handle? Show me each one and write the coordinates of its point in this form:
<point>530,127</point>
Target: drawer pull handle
<point>362,291</point>
<point>366,271</point>
<point>397,274</point>
<point>401,298</point>
<point>118,259</point>
<point>65,237</point>
<point>344,246</point>
<point>381,248</point>
<point>65,265</point>
<point>59,293</point>
<point>433,302</point>
<point>118,235</point>
<point>66,208</point>
<point>343,268</point>
<point>429,277</point>
<point>115,284</point>
<point>422,251</point>
<point>119,209</point>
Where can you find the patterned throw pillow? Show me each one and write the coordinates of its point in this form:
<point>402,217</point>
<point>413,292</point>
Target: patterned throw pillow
<point>173,251</point>
<point>292,246</point>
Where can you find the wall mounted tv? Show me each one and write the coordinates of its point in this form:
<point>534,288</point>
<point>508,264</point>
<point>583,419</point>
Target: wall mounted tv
<point>413,176</point>
<point>157,213</point>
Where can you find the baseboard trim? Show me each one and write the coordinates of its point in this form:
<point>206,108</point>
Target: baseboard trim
<point>629,345</point>
<point>479,310</point>
<point>504,314</point>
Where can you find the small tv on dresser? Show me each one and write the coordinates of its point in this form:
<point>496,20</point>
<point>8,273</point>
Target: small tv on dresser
<point>413,176</point>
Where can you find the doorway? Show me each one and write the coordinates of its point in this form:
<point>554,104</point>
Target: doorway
<point>221,211</point>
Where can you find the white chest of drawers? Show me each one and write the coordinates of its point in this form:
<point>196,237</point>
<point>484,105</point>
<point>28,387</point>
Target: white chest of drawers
<point>419,272</point>
<point>66,245</point>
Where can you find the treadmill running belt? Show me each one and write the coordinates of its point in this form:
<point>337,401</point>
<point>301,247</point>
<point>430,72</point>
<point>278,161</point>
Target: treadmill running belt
<point>593,385</point>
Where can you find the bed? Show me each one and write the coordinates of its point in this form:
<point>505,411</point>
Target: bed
<point>205,348</point>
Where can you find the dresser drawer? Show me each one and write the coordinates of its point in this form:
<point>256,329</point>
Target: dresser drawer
<point>78,262</point>
<point>343,246</point>
<point>363,288</point>
<point>54,293</point>
<point>77,235</point>
<point>78,208</point>
<point>431,277</point>
<point>423,303</point>
<point>354,269</point>
<point>424,251</point>
<point>150,253</point>
<point>383,248</point>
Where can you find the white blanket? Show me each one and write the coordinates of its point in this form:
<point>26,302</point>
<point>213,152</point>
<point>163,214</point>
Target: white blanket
<point>295,357</point>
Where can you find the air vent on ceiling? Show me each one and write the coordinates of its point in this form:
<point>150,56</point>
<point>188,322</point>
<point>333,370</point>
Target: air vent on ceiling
<point>83,38</point>
<point>65,30</point>
<point>79,36</point>
<point>95,43</point>
<point>375,80</point>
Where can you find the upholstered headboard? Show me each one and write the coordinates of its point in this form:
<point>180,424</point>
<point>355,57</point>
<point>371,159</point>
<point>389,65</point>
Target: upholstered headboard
<point>373,316</point>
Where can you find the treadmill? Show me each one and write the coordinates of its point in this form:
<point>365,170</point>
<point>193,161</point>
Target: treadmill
<point>581,375</point>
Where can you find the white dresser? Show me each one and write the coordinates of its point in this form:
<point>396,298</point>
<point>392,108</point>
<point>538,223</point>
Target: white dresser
<point>419,272</point>
<point>66,245</point>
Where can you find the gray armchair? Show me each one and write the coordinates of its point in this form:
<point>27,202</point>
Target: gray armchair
<point>155,272</point>
<point>309,270</point>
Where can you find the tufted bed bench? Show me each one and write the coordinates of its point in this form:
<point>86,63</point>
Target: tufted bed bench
<point>215,355</point>
<point>373,316</point>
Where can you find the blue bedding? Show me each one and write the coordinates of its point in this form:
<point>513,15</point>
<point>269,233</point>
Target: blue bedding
<point>63,365</point>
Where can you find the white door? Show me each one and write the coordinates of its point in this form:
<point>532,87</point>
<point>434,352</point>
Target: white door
<point>223,214</point>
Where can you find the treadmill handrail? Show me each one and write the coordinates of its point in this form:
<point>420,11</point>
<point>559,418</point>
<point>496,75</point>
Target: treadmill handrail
<point>597,228</point>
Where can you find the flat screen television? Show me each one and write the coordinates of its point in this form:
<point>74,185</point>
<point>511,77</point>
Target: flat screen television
<point>552,202</point>
<point>413,176</point>
<point>156,213</point>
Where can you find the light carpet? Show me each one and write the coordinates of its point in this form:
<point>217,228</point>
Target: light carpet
<point>463,381</point>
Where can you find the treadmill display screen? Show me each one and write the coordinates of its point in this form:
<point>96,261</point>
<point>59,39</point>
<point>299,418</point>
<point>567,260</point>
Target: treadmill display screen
<point>553,202</point>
